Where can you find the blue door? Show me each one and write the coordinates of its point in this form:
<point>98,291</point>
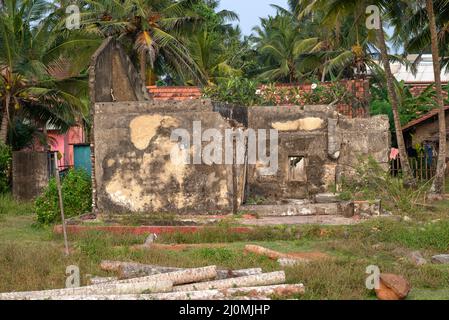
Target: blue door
<point>81,157</point>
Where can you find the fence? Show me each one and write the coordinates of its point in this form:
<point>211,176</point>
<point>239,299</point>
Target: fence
<point>423,167</point>
<point>51,165</point>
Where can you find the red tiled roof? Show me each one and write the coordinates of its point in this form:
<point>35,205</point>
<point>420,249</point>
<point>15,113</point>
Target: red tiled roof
<point>175,93</point>
<point>425,117</point>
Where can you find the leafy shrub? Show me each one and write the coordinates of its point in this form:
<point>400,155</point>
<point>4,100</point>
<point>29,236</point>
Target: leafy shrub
<point>248,93</point>
<point>76,195</point>
<point>235,90</point>
<point>5,165</point>
<point>372,182</point>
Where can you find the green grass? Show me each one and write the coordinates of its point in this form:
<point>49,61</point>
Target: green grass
<point>9,206</point>
<point>31,257</point>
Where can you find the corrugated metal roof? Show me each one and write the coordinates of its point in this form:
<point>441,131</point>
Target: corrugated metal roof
<point>425,117</point>
<point>424,71</point>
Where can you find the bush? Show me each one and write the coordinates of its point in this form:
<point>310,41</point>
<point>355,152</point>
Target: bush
<point>76,195</point>
<point>235,90</point>
<point>373,182</point>
<point>5,166</point>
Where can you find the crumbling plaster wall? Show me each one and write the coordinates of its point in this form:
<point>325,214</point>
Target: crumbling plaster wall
<point>331,144</point>
<point>29,174</point>
<point>134,171</point>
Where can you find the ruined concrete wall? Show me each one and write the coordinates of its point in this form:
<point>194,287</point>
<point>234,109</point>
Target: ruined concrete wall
<point>361,138</point>
<point>134,170</point>
<point>330,144</point>
<point>112,77</point>
<point>29,174</point>
<point>302,133</point>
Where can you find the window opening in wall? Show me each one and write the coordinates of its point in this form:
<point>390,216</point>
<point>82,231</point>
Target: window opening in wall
<point>297,168</point>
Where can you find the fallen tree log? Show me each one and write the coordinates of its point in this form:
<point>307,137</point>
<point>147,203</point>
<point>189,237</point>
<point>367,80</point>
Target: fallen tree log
<point>288,262</point>
<point>227,274</point>
<point>177,277</point>
<point>127,270</point>
<point>274,255</point>
<point>245,293</point>
<point>247,281</point>
<point>105,289</point>
<point>101,280</point>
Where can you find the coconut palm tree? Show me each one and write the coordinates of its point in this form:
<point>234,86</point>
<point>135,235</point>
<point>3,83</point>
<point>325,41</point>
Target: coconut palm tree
<point>31,82</point>
<point>285,52</point>
<point>439,181</point>
<point>356,9</point>
<point>152,30</point>
<point>422,32</point>
<point>215,41</point>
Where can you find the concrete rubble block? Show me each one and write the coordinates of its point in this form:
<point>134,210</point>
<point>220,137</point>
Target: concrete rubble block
<point>368,208</point>
<point>416,258</point>
<point>327,198</point>
<point>295,210</point>
<point>441,259</point>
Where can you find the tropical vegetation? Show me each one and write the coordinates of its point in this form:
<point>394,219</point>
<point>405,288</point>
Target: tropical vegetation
<point>43,63</point>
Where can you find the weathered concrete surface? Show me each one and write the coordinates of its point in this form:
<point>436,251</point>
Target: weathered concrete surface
<point>441,259</point>
<point>299,220</point>
<point>281,210</point>
<point>326,198</point>
<point>131,147</point>
<point>112,77</point>
<point>361,138</point>
<point>331,145</point>
<point>368,208</point>
<point>134,168</point>
<point>29,174</point>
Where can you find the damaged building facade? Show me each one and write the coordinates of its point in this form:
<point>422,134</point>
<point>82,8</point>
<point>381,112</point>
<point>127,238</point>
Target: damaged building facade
<point>133,143</point>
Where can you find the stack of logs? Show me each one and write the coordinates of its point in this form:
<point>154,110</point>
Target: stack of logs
<point>137,281</point>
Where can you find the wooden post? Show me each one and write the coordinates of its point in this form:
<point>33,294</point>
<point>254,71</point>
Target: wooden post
<point>234,176</point>
<point>61,204</point>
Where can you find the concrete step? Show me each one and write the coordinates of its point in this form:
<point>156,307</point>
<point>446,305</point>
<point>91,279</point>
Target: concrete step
<point>327,198</point>
<point>330,220</point>
<point>345,209</point>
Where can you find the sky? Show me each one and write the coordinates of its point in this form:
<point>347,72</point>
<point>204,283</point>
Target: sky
<point>249,11</point>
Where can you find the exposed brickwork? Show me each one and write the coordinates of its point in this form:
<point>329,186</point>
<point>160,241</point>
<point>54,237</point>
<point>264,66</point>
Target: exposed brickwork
<point>417,88</point>
<point>360,88</point>
<point>175,93</point>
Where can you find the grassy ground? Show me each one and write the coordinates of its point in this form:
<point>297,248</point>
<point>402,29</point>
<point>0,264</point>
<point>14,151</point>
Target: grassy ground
<point>31,257</point>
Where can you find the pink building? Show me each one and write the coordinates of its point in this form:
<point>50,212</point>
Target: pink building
<point>63,143</point>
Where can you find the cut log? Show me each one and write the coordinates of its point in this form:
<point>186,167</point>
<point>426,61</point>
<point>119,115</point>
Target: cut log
<point>127,270</point>
<point>254,280</point>
<point>232,293</point>
<point>110,288</point>
<point>289,262</point>
<point>178,277</point>
<point>227,274</point>
<point>101,280</point>
<point>133,270</point>
<point>274,255</point>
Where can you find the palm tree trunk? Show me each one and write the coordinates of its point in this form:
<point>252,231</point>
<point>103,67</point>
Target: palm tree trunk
<point>5,122</point>
<point>439,182</point>
<point>143,67</point>
<point>406,169</point>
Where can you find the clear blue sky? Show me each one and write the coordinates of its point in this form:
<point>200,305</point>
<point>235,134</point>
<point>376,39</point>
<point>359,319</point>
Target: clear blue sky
<point>249,11</point>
